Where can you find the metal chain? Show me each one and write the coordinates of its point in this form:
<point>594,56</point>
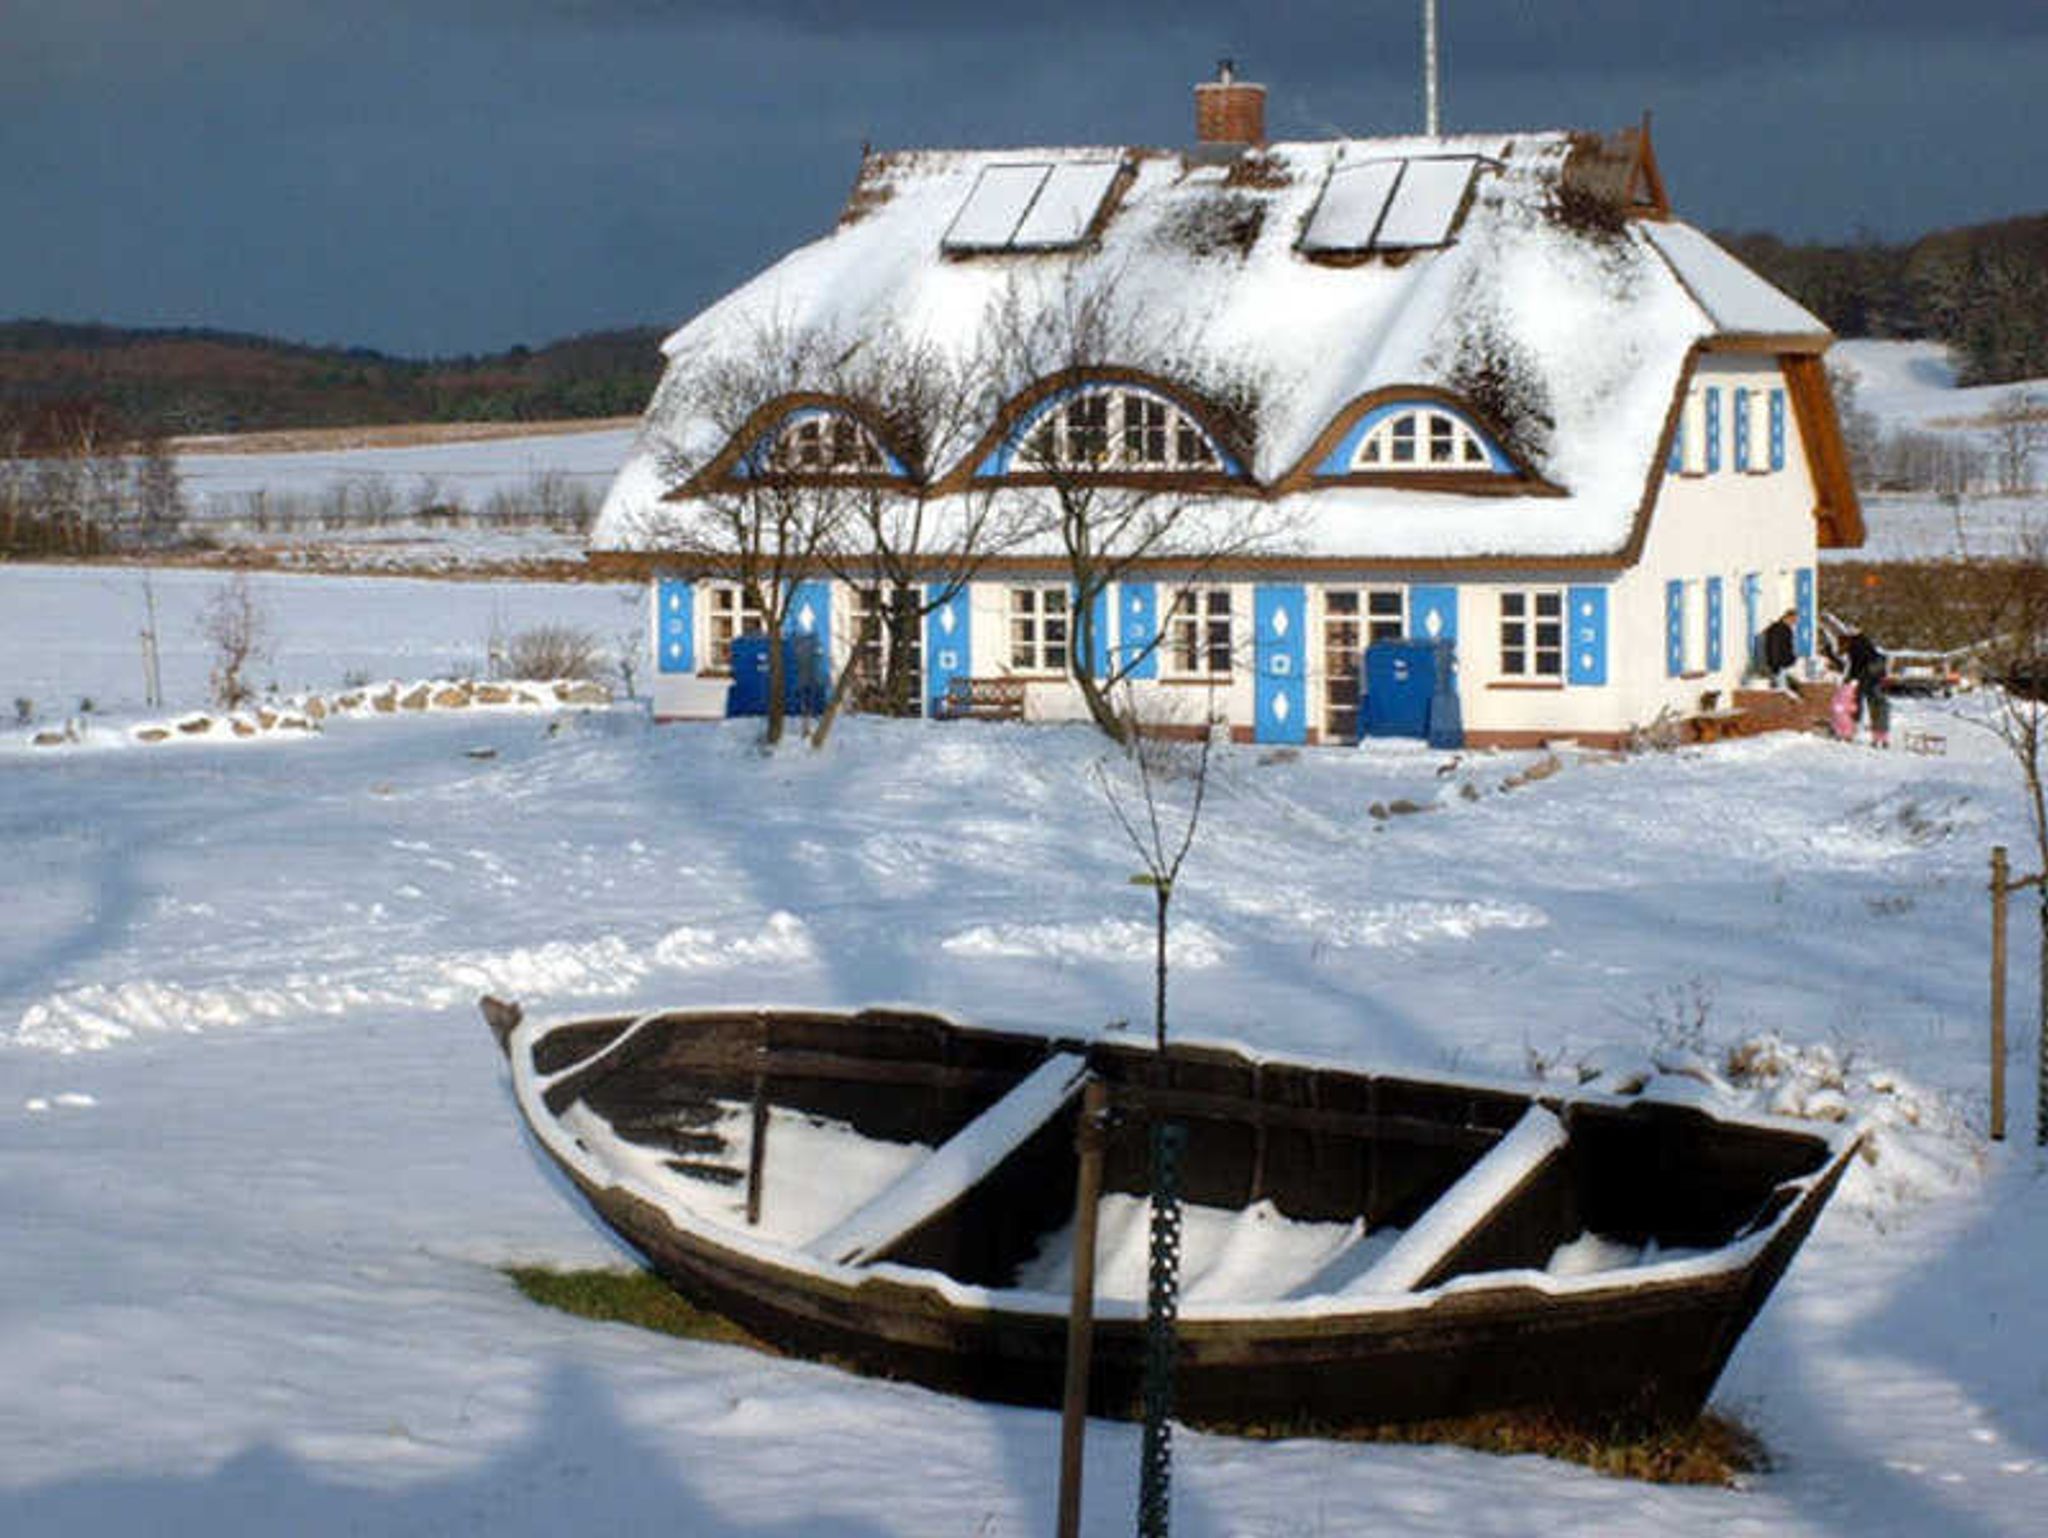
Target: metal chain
<point>1162,1309</point>
<point>2041,1025</point>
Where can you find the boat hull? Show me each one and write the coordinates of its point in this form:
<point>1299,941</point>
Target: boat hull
<point>1645,1349</point>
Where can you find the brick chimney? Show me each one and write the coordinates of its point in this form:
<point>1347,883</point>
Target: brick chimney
<point>1229,110</point>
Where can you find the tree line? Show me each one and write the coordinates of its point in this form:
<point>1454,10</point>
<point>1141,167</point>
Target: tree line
<point>188,381</point>
<point>75,478</point>
<point>1982,289</point>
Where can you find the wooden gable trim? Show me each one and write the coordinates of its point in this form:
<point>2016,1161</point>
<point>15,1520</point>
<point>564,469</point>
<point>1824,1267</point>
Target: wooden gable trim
<point>1522,482</point>
<point>1838,511</point>
<point>1020,407</point>
<point>1780,343</point>
<point>717,475</point>
<point>1645,188</point>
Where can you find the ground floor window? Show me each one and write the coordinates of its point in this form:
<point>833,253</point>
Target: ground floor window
<point>1532,633</point>
<point>728,616</point>
<point>1354,618</point>
<point>1040,618</point>
<point>871,671</point>
<point>1198,634</point>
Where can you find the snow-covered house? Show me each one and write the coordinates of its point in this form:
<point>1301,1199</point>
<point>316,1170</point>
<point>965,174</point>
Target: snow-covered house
<point>1498,398</point>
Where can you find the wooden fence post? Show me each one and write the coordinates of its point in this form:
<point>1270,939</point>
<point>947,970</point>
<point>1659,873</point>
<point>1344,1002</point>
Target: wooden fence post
<point>1081,1309</point>
<point>1998,891</point>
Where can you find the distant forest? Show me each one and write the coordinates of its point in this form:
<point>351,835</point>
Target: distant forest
<point>200,381</point>
<point>1983,289</point>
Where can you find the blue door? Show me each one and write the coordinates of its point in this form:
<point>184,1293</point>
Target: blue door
<point>1280,653</point>
<point>1400,681</point>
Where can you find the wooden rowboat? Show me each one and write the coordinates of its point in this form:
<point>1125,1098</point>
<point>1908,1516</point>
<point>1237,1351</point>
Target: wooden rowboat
<point>895,1191</point>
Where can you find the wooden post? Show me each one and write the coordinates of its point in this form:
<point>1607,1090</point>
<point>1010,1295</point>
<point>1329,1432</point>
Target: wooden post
<point>1998,891</point>
<point>757,1150</point>
<point>1081,1309</point>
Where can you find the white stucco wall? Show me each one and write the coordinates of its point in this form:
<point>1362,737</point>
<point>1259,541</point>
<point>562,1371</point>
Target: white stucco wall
<point>1727,523</point>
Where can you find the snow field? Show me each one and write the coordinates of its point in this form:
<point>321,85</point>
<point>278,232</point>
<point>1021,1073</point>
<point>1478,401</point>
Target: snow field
<point>259,1166</point>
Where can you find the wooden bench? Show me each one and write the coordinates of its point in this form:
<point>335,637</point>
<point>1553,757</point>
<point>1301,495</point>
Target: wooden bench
<point>983,699</point>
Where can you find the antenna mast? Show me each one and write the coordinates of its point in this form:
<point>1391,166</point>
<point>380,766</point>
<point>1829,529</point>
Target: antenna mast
<point>1431,113</point>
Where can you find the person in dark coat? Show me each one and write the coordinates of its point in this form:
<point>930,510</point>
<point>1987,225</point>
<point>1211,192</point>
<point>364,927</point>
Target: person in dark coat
<point>1863,664</point>
<point>1781,653</point>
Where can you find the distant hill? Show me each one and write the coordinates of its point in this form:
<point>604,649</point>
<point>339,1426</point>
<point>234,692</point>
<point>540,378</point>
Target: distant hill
<point>1981,288</point>
<point>204,381</point>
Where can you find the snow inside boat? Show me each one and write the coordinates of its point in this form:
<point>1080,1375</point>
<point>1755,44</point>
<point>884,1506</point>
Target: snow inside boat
<point>895,1191</point>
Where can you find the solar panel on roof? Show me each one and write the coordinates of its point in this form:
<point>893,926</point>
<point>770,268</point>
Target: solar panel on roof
<point>988,220</point>
<point>1066,205</point>
<point>1351,205</point>
<point>1426,203</point>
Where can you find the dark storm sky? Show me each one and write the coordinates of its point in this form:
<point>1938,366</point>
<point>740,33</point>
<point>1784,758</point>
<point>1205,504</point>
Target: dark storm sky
<point>431,176</point>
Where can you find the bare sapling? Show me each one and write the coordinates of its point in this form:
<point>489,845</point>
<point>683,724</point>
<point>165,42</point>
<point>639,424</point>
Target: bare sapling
<point>237,627</point>
<point>1156,796</point>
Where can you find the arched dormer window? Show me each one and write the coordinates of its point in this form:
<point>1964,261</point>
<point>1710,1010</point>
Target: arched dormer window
<point>1424,438</point>
<point>1111,427</point>
<point>1420,435</point>
<point>821,441</point>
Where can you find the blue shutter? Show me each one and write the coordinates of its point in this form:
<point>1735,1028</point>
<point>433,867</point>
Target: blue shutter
<point>1137,629</point>
<point>1713,428</point>
<point>675,602</point>
<point>1777,429</point>
<point>809,611</point>
<point>1674,628</point>
<point>1674,463</point>
<point>1802,586</point>
<point>948,645</point>
<point>1713,624</point>
<point>1752,620</point>
<point>1433,613</point>
<point>1742,429</point>
<point>1280,654</point>
<point>1099,611</point>
<point>1587,663</point>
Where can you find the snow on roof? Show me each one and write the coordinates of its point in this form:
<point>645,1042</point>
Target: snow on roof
<point>1601,324</point>
<point>1736,299</point>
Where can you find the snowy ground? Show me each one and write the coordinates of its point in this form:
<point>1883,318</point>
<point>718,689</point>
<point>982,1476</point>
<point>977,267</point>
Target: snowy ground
<point>258,1165</point>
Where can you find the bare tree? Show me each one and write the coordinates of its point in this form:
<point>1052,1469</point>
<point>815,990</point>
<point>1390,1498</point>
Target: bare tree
<point>909,549</point>
<point>2018,423</point>
<point>1113,508</point>
<point>744,505</point>
<point>159,491</point>
<point>237,626</point>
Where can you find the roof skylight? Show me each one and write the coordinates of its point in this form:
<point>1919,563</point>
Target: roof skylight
<point>1389,205</point>
<point>1036,206</point>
